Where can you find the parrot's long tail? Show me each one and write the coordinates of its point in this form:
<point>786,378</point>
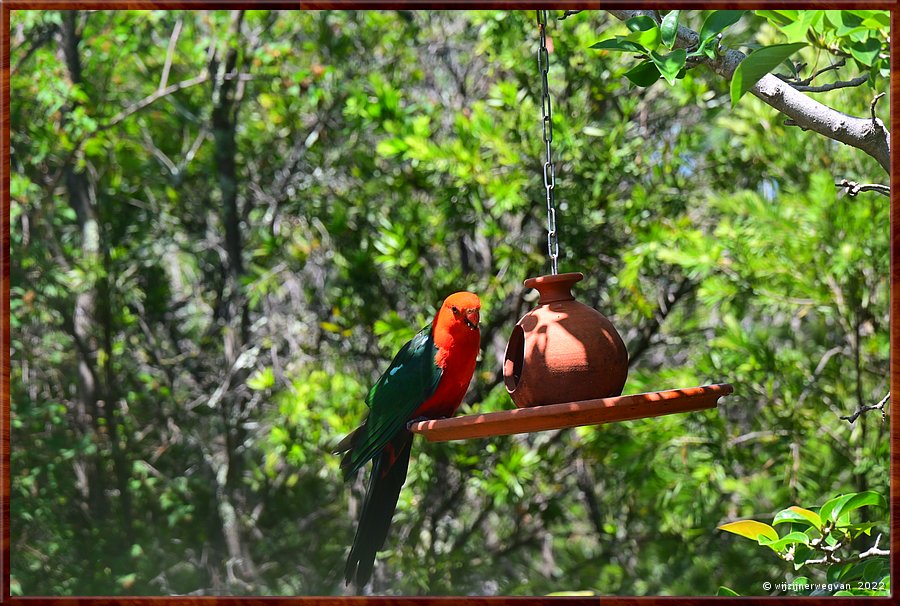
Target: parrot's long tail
<point>388,476</point>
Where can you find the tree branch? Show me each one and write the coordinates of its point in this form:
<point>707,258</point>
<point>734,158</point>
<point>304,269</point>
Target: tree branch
<point>45,35</point>
<point>854,188</point>
<point>864,409</point>
<point>874,551</point>
<point>872,106</point>
<point>170,52</point>
<point>644,338</point>
<point>830,558</point>
<point>161,92</point>
<point>870,136</point>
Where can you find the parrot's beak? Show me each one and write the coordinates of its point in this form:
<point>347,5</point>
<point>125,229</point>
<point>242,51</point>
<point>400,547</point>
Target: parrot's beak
<point>472,318</point>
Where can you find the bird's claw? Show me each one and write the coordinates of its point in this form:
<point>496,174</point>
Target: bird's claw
<point>416,420</point>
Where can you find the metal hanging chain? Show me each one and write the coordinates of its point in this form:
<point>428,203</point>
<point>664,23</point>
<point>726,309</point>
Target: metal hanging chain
<point>549,171</point>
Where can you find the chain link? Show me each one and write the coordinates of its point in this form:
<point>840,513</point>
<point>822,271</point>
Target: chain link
<point>549,170</point>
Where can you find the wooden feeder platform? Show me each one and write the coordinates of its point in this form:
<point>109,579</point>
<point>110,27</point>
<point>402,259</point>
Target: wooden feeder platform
<point>573,414</point>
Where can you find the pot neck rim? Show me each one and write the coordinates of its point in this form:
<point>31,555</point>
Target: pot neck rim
<point>554,288</point>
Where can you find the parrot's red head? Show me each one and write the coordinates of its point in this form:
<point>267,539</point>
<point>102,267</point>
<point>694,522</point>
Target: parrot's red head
<point>461,310</point>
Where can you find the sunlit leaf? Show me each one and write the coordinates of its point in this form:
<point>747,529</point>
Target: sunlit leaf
<point>798,514</point>
<point>751,529</point>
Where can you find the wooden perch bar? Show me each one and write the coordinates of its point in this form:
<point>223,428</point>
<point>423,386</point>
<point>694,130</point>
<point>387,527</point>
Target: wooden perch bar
<point>573,414</point>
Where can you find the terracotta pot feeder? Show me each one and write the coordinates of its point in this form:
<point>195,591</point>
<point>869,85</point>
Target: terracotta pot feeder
<point>565,367</point>
<point>563,350</point>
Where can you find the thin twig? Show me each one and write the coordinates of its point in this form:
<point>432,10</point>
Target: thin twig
<point>823,88</point>
<point>872,106</point>
<point>567,14</point>
<point>808,80</point>
<point>170,52</point>
<point>854,188</point>
<point>834,66</point>
<point>830,558</point>
<point>172,88</point>
<point>863,409</point>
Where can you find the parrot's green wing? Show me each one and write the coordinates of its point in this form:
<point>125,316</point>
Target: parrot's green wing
<point>408,382</point>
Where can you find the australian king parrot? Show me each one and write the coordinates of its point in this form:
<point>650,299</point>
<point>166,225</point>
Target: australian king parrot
<point>426,380</point>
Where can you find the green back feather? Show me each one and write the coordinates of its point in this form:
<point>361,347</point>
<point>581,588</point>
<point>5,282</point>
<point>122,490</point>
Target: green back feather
<point>408,382</point>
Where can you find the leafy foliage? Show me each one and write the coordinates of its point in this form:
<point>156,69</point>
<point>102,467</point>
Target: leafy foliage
<point>822,538</point>
<point>861,34</point>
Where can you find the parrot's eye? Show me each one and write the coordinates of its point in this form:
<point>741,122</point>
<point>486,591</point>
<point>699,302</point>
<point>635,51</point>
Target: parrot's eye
<point>455,310</point>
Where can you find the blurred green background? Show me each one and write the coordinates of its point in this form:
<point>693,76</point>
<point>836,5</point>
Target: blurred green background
<point>224,224</point>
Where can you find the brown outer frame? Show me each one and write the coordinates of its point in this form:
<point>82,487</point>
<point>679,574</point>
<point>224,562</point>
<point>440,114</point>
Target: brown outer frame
<point>9,5</point>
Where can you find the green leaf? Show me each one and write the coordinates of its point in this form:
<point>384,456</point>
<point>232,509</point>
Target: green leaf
<point>874,570</point>
<point>861,14</point>
<point>837,572</point>
<point>844,21</point>
<point>390,147</point>
<point>876,20</point>
<point>644,74</point>
<point>758,64</point>
<point>261,379</point>
<point>669,65</point>
<point>779,18</point>
<point>94,147</point>
<point>669,28</point>
<point>717,21</point>
<point>800,581</point>
<point>788,539</point>
<point>826,510</point>
<point>725,591</point>
<point>800,515</point>
<point>875,72</point>
<point>619,43</point>
<point>750,529</point>
<point>803,553</point>
<point>641,23</point>
<point>330,326</point>
<point>796,30</point>
<point>792,67</point>
<point>866,52</point>
<point>859,529</point>
<point>845,504</point>
<point>644,31</point>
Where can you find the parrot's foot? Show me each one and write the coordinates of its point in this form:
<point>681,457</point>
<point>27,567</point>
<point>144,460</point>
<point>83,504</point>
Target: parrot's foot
<point>416,420</point>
